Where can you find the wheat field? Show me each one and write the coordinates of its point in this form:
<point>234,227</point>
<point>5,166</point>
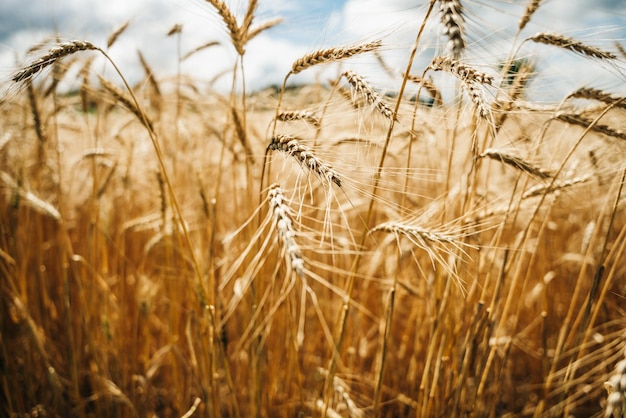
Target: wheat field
<point>450,247</point>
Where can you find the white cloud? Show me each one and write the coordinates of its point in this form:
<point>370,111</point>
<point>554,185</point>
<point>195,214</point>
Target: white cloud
<point>309,26</point>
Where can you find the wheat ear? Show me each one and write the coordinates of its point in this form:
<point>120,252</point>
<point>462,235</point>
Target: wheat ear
<point>532,7</point>
<point>323,56</point>
<point>589,93</point>
<point>231,24</point>
<point>302,115</point>
<point>572,45</point>
<point>130,104</point>
<point>452,19</point>
<point>284,224</point>
<point>616,388</point>
<point>541,189</point>
<point>198,49</point>
<point>574,119</point>
<point>292,146</point>
<point>261,27</point>
<point>61,50</point>
<point>116,33</point>
<point>369,94</point>
<point>459,69</point>
<point>516,162</point>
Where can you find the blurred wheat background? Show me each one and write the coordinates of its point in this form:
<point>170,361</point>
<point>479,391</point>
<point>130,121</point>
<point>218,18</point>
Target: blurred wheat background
<point>433,227</point>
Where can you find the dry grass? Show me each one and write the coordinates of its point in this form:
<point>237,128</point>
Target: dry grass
<point>164,253</point>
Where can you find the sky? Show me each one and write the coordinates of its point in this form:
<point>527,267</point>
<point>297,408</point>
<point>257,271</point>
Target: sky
<point>310,25</point>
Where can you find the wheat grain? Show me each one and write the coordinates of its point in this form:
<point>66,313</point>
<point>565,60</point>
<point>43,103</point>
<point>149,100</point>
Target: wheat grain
<point>452,19</point>
<point>323,56</point>
<point>292,146</point>
<point>368,93</point>
<point>286,232</point>
<point>515,161</point>
<point>56,53</point>
<point>572,45</point>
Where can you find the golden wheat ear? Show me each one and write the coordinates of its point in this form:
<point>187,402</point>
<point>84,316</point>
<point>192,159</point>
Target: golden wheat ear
<point>305,156</point>
<point>323,56</point>
<point>54,54</point>
<point>578,47</point>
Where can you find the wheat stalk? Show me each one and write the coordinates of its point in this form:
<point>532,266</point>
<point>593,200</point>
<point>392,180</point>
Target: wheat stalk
<point>323,56</point>
<point>284,224</point>
<point>452,19</point>
<point>54,54</point>
<point>572,45</point>
<point>516,162</point>
<point>292,146</point>
<point>368,93</point>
